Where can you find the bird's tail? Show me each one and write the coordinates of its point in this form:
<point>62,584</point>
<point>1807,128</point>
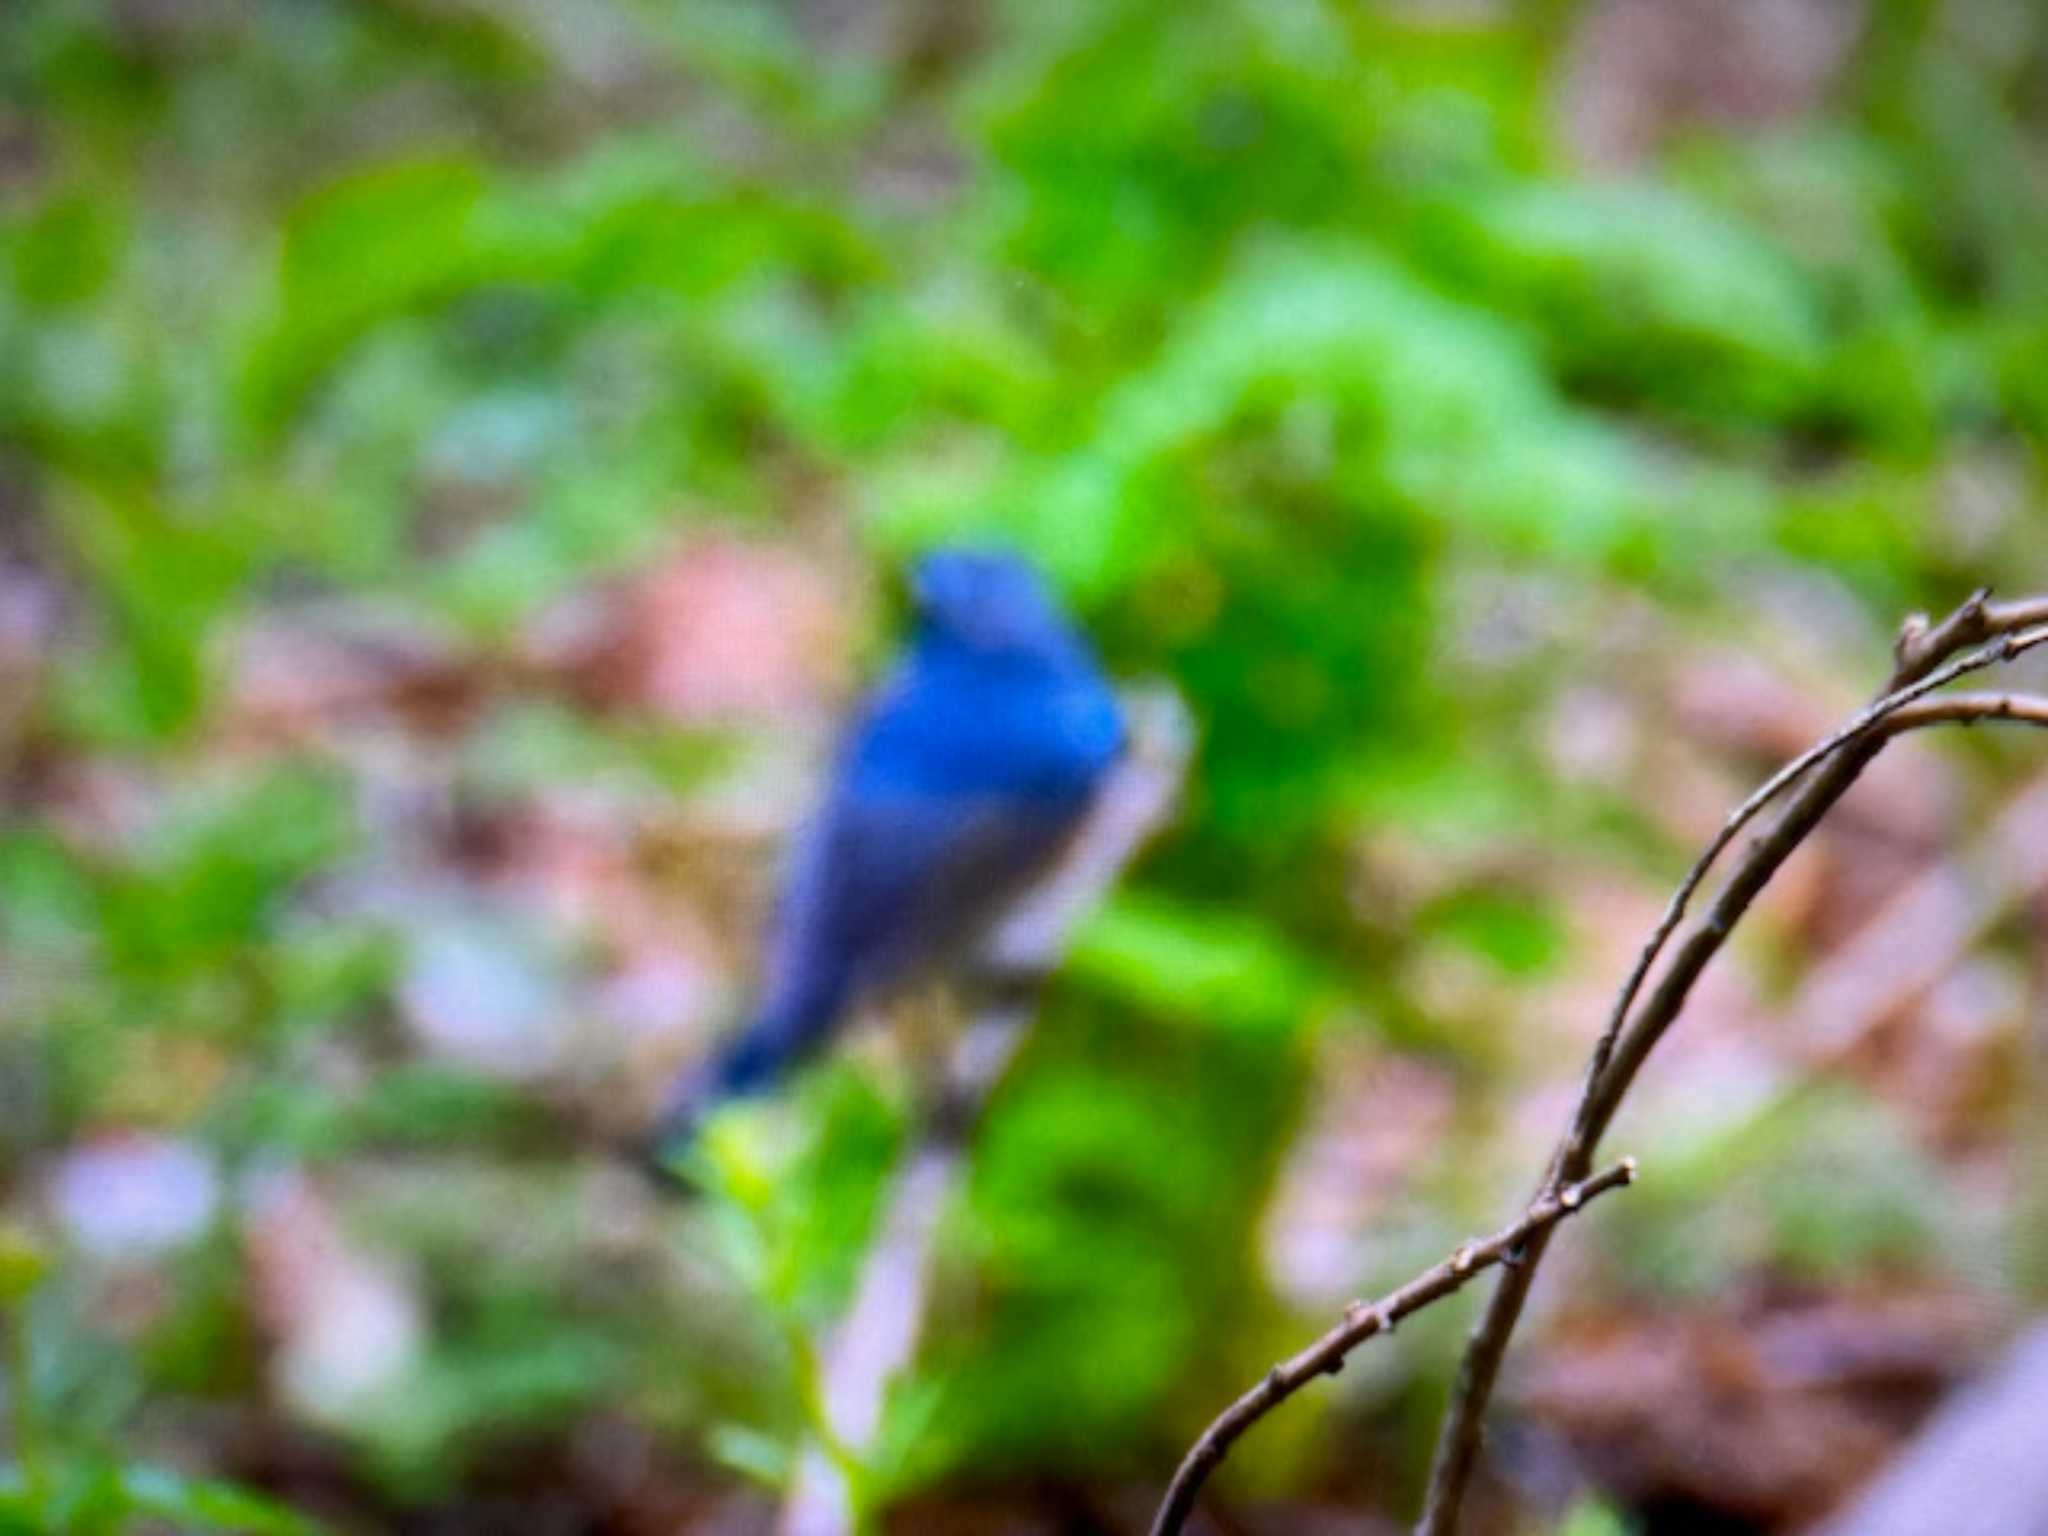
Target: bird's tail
<point>784,1031</point>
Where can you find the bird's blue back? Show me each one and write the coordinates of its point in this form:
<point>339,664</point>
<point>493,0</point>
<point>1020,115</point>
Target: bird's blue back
<point>956,783</point>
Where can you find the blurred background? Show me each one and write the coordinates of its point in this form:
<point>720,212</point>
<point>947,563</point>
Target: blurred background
<point>457,460</point>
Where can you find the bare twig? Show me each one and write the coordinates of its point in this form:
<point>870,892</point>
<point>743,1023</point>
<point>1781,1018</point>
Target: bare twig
<point>1458,1442</point>
<point>1926,659</point>
<point>1362,1320</point>
<point>2019,613</point>
<point>1906,691</point>
<point>1968,709</point>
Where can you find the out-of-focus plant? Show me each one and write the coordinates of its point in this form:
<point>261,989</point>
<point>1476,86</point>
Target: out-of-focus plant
<point>65,1482</point>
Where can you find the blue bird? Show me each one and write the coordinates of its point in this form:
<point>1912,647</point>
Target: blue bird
<point>958,781</point>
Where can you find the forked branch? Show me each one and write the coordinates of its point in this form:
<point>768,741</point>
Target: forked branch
<point>1362,1320</point>
<point>1929,655</point>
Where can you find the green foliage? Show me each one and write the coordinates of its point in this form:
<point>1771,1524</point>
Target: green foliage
<point>801,1215</point>
<point>1640,294</point>
<point>1593,1517</point>
<point>1081,1301</point>
<point>1166,960</point>
<point>93,1497</point>
<point>64,1481</point>
<point>1520,936</point>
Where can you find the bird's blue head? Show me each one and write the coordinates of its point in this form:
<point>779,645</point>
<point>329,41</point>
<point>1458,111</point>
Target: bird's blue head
<point>988,601</point>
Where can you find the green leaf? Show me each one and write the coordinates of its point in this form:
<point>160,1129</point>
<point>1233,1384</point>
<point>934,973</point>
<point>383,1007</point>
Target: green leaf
<point>1182,961</point>
<point>65,252</point>
<point>23,1263</point>
<point>209,1505</point>
<point>1638,286</point>
<point>373,245</point>
<point>1520,935</point>
<point>751,1453</point>
<point>1593,1517</point>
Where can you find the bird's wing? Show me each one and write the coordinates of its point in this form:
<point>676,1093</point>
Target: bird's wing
<point>879,886</point>
<point>884,883</point>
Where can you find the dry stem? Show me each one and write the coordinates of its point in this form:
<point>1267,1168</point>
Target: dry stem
<point>1928,656</point>
<point>1362,1320</point>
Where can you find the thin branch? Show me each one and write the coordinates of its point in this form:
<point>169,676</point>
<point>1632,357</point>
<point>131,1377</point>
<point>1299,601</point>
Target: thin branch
<point>1906,690</point>
<point>1828,769</point>
<point>1968,709</point>
<point>1458,1442</point>
<point>1926,659</point>
<point>1362,1321</point>
<point>1921,644</point>
<point>2020,613</point>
